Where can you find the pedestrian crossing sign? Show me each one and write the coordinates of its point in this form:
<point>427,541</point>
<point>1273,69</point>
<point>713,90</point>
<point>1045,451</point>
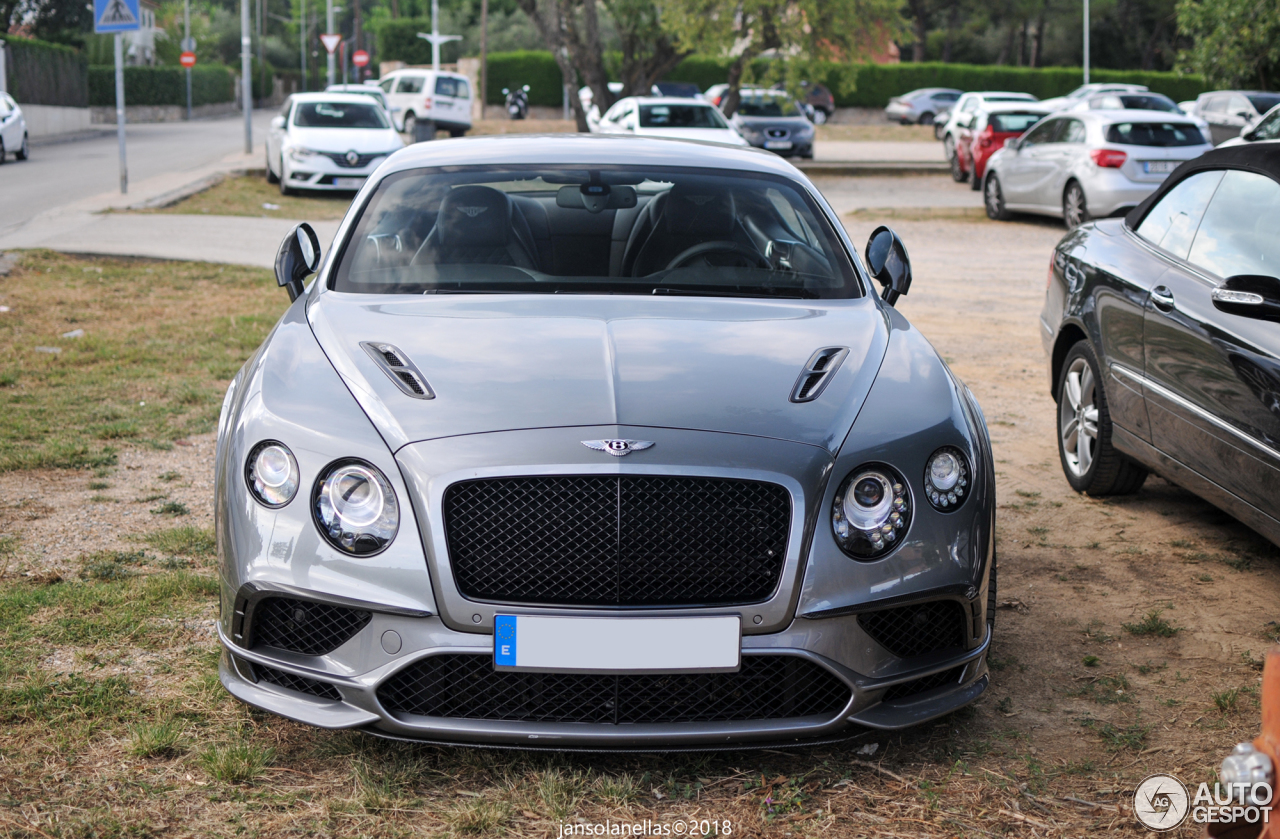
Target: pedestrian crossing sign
<point>115,16</point>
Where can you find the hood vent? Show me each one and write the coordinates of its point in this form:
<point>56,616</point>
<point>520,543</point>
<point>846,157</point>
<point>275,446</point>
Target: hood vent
<point>817,372</point>
<point>400,369</point>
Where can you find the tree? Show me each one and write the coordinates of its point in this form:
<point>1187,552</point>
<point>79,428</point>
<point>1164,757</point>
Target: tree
<point>801,30</point>
<point>1236,43</point>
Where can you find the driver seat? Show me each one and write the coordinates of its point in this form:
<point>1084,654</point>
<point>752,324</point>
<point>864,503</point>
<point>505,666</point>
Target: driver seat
<point>478,225</point>
<point>689,214</point>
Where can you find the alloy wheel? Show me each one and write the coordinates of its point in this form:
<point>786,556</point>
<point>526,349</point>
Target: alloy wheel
<point>1074,210</point>
<point>24,152</point>
<point>1078,417</point>
<point>994,199</point>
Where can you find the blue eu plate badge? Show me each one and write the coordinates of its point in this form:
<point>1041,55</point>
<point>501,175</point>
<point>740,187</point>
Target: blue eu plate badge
<point>504,640</point>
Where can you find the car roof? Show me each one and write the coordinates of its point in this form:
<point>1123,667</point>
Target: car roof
<point>982,94</point>
<point>1131,115</point>
<point>668,100</point>
<point>1015,108</point>
<point>581,150</point>
<point>331,96</point>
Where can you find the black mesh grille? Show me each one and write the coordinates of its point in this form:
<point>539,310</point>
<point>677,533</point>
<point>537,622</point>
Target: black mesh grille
<point>917,629</point>
<point>617,541</point>
<point>340,158</point>
<point>466,686</point>
<point>301,626</point>
<point>299,683</point>
<point>937,680</point>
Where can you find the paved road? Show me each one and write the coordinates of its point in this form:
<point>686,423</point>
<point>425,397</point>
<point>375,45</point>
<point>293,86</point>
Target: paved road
<point>60,174</point>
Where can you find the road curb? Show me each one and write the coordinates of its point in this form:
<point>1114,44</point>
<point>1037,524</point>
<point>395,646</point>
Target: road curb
<point>873,167</point>
<point>173,196</point>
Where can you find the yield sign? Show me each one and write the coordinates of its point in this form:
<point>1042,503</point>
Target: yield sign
<point>331,42</point>
<point>187,59</point>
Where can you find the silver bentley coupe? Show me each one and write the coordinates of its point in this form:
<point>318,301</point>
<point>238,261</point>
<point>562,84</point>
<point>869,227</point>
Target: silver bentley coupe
<point>584,442</point>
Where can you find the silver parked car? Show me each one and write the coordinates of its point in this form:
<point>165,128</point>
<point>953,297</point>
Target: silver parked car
<point>601,442</point>
<point>921,106</point>
<point>1265,130</point>
<point>1088,164</point>
<point>1229,112</point>
<point>13,130</point>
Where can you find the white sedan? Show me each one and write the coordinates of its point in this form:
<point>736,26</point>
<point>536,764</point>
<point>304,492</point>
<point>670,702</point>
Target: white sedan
<point>654,116</point>
<point>13,130</point>
<point>328,141</point>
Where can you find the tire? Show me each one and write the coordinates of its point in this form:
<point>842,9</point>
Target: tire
<point>975,181</point>
<point>993,199</point>
<point>272,177</point>
<point>948,145</point>
<point>1075,208</point>
<point>938,128</point>
<point>24,152</point>
<point>958,174</point>
<point>410,124</point>
<point>926,118</point>
<point>1089,461</point>
<point>284,188</point>
<point>2,153</point>
<point>819,116</point>
<point>457,132</point>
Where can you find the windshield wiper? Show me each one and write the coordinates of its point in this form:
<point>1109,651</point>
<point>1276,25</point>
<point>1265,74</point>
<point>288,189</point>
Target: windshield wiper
<point>472,291</point>
<point>762,293</point>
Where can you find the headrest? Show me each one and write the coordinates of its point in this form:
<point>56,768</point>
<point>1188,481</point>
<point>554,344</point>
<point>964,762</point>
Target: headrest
<point>474,216</point>
<point>703,210</point>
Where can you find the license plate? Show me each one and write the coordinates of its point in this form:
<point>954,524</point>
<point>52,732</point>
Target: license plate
<point>616,645</point>
<point>1159,167</point>
<point>348,183</point>
<point>777,144</point>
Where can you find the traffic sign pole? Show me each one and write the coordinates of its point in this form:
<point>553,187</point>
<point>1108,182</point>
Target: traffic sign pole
<point>124,162</point>
<point>246,75</point>
<point>118,17</point>
<point>328,27</point>
<point>187,45</point>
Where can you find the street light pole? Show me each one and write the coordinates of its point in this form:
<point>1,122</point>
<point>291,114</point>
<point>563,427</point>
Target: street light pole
<point>246,77</point>
<point>329,30</point>
<point>435,38</point>
<point>187,45</point>
<point>1086,41</point>
<point>484,55</point>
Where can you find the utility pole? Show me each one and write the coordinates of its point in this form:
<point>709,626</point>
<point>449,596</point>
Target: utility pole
<point>355,36</point>
<point>262,66</point>
<point>124,163</point>
<point>302,42</point>
<point>329,30</point>
<point>189,46</point>
<point>435,38</point>
<point>484,55</point>
<point>1086,41</point>
<point>246,75</point>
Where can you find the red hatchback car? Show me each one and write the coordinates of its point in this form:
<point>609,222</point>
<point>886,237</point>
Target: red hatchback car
<point>984,131</point>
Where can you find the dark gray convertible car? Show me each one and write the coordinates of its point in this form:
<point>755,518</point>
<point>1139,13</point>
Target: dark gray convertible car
<point>1163,330</point>
<point>605,443</point>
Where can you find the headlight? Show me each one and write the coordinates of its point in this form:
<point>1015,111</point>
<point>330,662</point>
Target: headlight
<point>355,508</point>
<point>872,511</point>
<point>946,479</point>
<point>272,474</point>
<point>301,153</point>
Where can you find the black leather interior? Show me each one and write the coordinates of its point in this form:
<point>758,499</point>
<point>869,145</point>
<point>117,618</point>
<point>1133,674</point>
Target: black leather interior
<point>479,225</point>
<point>689,214</point>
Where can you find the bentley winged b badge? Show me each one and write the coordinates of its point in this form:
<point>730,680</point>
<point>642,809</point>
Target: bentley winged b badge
<point>618,448</point>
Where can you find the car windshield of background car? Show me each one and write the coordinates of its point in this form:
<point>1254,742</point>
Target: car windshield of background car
<point>1238,233</point>
<point>1269,127</point>
<point>1263,102</point>
<point>685,231</point>
<point>765,105</point>
<point>1134,102</point>
<point>338,115</point>
<point>1013,123</point>
<point>1172,222</point>
<point>1154,134</point>
<point>680,116</point>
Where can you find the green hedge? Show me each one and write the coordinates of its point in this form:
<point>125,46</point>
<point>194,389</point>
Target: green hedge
<point>534,68</point>
<point>40,73</point>
<point>162,85</point>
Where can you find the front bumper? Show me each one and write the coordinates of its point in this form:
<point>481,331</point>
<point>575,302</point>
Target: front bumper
<point>353,701</point>
<point>321,173</point>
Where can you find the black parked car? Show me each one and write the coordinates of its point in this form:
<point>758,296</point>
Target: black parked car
<point>1164,332</point>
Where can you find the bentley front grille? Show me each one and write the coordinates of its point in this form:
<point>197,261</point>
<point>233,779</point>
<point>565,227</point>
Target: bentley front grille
<point>301,626</point>
<point>626,540</point>
<point>917,629</point>
<point>466,686</point>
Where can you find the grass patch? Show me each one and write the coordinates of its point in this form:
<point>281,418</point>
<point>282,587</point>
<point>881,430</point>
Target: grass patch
<point>245,195</point>
<point>171,508</point>
<point>237,763</point>
<point>1152,624</point>
<point>1091,661</point>
<point>186,540</point>
<point>1128,738</point>
<point>479,817</point>
<point>1106,690</point>
<point>878,133</point>
<point>151,342</point>
<point>1226,700</point>
<point>109,565</point>
<point>157,739</point>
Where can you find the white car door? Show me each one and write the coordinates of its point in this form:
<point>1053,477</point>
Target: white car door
<point>444,99</point>
<point>408,97</point>
<point>10,125</point>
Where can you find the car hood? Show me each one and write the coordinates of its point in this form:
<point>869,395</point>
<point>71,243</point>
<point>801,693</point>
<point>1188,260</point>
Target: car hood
<point>364,140</point>
<point>712,135</point>
<point>502,362</point>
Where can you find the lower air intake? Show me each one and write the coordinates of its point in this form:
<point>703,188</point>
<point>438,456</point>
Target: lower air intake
<point>301,626</point>
<point>466,686</point>
<point>917,629</point>
<point>918,686</point>
<point>301,684</point>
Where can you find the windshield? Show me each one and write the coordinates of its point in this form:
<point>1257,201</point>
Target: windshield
<point>1013,123</point>
<point>768,105</point>
<point>1263,102</point>
<point>1135,102</point>
<point>680,116</point>
<point>613,230</point>
<point>1154,134</point>
<point>338,115</point>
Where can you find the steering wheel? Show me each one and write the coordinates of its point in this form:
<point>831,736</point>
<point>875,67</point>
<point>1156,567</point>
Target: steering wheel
<point>689,254</point>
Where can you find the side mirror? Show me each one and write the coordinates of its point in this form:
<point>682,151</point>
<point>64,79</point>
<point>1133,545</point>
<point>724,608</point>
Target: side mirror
<point>888,262</point>
<point>298,258</point>
<point>1013,143</point>
<point>277,122</point>
<point>1249,296</point>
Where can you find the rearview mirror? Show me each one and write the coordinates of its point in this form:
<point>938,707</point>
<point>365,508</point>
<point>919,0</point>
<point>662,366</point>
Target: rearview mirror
<point>1249,295</point>
<point>298,258</point>
<point>888,263</point>
<point>595,198</point>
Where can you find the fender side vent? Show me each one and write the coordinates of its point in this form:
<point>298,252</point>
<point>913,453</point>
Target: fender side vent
<point>817,372</point>
<point>399,369</point>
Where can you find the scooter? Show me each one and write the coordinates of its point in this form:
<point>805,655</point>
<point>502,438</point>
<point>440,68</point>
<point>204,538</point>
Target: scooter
<point>517,102</point>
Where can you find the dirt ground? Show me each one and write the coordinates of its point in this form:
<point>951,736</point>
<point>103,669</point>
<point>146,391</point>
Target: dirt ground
<point>1090,693</point>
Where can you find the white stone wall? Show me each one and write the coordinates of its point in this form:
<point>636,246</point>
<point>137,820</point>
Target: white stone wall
<point>51,120</point>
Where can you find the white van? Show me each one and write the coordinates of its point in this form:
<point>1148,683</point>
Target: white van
<point>428,96</point>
